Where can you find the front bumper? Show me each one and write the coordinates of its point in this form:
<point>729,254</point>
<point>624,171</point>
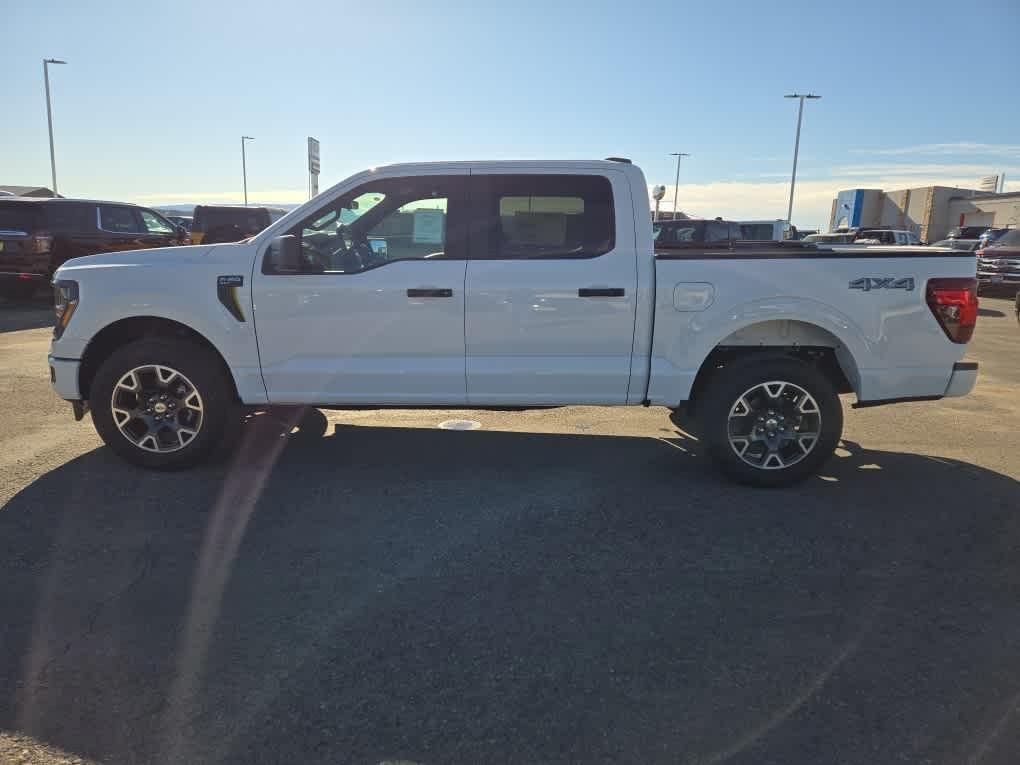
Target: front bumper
<point>64,376</point>
<point>962,381</point>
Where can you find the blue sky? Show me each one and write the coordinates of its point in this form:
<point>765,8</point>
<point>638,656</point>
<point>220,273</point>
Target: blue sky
<point>153,101</point>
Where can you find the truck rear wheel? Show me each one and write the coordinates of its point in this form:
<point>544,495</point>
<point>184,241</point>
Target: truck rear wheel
<point>771,422</point>
<point>162,404</point>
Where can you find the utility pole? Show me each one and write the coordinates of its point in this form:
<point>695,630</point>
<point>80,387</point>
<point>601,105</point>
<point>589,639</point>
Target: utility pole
<point>244,167</point>
<point>676,185</point>
<point>796,145</point>
<point>49,117</point>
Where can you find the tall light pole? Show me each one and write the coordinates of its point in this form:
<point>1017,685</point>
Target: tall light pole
<point>244,167</point>
<point>796,145</point>
<point>49,116</point>
<point>676,185</point>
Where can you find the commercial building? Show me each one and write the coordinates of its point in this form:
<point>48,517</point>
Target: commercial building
<point>928,211</point>
<point>26,191</point>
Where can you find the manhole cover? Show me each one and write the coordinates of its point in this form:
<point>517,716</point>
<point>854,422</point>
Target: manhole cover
<point>460,425</point>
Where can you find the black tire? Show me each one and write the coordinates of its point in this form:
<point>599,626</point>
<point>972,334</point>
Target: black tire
<point>201,367</point>
<point>1017,307</point>
<point>731,382</point>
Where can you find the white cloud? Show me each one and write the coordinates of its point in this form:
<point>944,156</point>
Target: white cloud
<point>1010,150</point>
<point>935,170</point>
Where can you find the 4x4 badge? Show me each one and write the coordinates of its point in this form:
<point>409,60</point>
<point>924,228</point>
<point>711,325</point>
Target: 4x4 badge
<point>869,283</point>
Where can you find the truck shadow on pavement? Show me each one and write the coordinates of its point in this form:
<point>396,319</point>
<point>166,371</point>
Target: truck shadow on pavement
<point>368,594</point>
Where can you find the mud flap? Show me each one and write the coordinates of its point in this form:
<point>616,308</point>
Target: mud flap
<point>80,409</point>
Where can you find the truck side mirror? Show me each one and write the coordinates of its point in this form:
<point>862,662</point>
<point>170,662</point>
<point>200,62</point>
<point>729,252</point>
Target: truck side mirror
<point>283,256</point>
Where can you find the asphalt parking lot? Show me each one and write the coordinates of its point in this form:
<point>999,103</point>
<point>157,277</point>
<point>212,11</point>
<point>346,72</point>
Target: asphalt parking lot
<point>570,585</point>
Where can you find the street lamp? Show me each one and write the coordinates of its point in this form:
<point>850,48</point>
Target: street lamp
<point>658,192</point>
<point>796,144</point>
<point>244,167</point>
<point>49,116</point>
<point>676,185</point>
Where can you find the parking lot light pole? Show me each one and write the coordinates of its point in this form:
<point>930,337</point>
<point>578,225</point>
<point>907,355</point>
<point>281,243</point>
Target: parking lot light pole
<point>49,116</point>
<point>676,185</point>
<point>244,167</point>
<point>796,145</point>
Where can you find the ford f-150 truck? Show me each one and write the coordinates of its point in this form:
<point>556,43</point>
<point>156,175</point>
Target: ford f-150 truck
<point>506,284</point>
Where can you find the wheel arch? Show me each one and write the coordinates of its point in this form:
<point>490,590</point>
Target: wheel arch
<point>127,330</point>
<point>780,338</point>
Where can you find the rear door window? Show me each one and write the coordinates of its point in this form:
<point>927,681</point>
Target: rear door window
<point>542,217</point>
<point>120,220</point>
<point>70,218</point>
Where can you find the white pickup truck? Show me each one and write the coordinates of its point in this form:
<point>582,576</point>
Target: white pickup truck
<point>506,284</point>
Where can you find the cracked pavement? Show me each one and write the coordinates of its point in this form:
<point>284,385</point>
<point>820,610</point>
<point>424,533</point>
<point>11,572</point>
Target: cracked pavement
<point>565,585</point>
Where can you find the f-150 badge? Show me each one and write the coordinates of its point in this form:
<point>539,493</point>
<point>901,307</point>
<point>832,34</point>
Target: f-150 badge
<point>870,283</point>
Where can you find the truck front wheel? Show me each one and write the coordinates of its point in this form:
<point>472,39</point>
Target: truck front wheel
<point>161,403</point>
<point>771,422</point>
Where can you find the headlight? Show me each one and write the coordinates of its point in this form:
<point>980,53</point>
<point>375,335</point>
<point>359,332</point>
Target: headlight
<point>65,300</point>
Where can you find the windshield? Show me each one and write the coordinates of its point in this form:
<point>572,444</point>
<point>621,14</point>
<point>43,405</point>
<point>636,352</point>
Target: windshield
<point>1009,239</point>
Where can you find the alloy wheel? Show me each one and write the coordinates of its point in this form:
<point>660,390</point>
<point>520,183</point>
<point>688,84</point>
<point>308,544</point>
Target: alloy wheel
<point>774,425</point>
<point>157,408</point>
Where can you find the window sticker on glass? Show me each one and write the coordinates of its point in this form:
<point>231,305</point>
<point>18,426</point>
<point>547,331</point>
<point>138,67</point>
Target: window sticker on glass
<point>428,226</point>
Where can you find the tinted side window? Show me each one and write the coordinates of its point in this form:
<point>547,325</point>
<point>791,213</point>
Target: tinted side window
<point>119,220</point>
<point>678,233</point>
<point>717,232</point>
<point>70,218</point>
<point>542,216</point>
<point>19,216</point>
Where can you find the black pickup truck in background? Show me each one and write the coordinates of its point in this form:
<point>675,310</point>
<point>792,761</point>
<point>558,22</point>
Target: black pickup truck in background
<point>38,235</point>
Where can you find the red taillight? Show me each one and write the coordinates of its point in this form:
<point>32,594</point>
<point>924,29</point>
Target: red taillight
<point>954,303</point>
<point>41,243</point>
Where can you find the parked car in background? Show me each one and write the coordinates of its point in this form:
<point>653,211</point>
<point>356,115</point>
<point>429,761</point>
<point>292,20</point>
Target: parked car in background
<point>184,221</point>
<point>828,238</point>
<point>966,232</point>
<point>998,265</point>
<point>967,245</point>
<point>218,224</point>
<point>886,236</point>
<point>37,235</point>
<point>678,234</point>
<point>991,235</point>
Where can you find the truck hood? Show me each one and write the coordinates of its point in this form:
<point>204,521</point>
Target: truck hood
<point>136,259</point>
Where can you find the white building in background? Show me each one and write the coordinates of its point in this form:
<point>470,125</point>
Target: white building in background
<point>928,211</point>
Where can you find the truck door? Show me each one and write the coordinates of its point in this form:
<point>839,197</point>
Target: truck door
<point>375,314</point>
<point>551,283</point>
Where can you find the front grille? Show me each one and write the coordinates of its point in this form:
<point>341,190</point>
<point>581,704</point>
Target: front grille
<point>1004,268</point>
